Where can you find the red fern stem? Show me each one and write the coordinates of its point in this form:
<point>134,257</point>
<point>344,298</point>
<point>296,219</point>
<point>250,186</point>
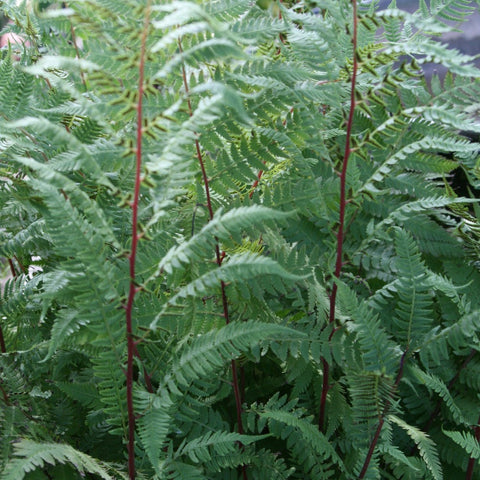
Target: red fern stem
<point>3,348</point>
<point>132,257</point>
<point>219,260</point>
<point>341,220</point>
<point>12,268</point>
<point>6,398</point>
<point>255,183</point>
<point>20,265</point>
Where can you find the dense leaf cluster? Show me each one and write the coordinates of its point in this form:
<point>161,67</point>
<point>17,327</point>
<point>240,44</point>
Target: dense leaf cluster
<point>224,126</point>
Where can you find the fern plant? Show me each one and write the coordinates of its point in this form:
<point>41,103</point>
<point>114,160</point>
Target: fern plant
<point>233,243</point>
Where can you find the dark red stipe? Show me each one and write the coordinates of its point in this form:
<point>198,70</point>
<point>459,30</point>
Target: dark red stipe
<point>219,259</point>
<point>131,348</point>
<point>341,220</point>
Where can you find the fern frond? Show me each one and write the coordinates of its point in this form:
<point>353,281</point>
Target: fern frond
<point>370,393</point>
<point>454,10</point>
<point>426,143</point>
<point>208,352</point>
<point>215,447</point>
<point>222,227</point>
<point>434,383</point>
<point>30,455</point>
<point>395,455</point>
<point>379,353</point>
<point>288,423</point>
<point>467,441</point>
<point>85,393</point>
<point>425,446</point>
<point>154,425</point>
<point>414,308</point>
<point>241,113</point>
<point>239,268</point>
<point>28,240</point>
<point>111,387</point>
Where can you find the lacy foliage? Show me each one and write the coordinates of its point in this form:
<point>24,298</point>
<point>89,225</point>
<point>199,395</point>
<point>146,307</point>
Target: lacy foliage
<point>250,101</point>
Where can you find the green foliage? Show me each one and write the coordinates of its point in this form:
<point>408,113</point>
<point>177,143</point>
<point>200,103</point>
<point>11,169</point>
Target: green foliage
<point>222,126</point>
<point>31,455</point>
<point>467,441</point>
<point>425,446</point>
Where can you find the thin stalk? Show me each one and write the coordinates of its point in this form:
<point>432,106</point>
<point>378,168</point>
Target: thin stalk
<point>471,462</point>
<point>131,348</point>
<point>77,52</point>
<point>341,220</point>
<point>12,268</point>
<point>6,398</point>
<point>381,421</point>
<point>219,260</point>
<point>75,45</point>
<point>146,375</point>
<point>242,384</point>
<point>21,265</point>
<point>3,349</point>
<point>47,474</point>
<point>255,183</point>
